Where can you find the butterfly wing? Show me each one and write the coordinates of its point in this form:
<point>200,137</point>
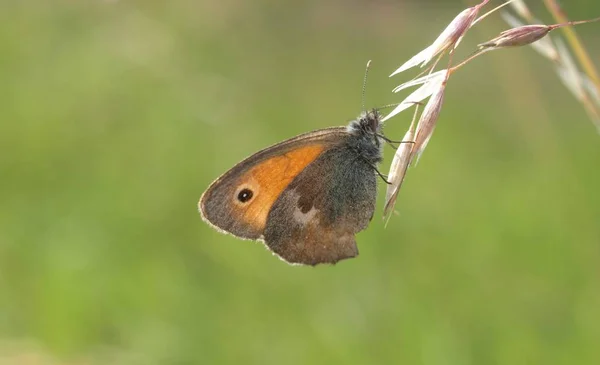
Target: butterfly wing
<point>240,200</point>
<point>316,217</point>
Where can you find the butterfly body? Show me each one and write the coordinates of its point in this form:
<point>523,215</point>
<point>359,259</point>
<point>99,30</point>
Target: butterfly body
<point>306,197</point>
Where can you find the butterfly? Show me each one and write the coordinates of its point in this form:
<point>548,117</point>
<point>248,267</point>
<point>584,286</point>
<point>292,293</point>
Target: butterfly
<point>306,197</point>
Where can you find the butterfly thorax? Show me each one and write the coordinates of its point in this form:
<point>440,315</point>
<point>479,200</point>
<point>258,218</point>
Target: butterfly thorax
<point>366,130</point>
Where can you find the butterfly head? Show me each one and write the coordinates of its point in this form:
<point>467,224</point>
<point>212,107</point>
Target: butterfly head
<point>367,123</point>
<point>366,130</point>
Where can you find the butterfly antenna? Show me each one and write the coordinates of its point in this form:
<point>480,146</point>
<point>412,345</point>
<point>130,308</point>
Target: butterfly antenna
<point>396,104</point>
<point>388,106</point>
<point>364,87</point>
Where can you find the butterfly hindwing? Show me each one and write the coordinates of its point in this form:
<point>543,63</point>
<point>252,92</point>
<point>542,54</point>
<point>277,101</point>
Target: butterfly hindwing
<point>316,217</point>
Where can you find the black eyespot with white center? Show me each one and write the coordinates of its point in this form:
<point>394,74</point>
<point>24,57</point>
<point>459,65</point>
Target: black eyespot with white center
<point>245,195</point>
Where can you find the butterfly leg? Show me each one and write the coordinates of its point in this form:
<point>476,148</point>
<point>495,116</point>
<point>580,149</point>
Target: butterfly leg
<point>392,142</point>
<point>382,176</point>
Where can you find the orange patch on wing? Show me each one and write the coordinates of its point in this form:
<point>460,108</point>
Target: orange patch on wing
<point>272,177</point>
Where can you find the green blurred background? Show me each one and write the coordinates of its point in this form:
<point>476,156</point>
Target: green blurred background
<point>116,115</point>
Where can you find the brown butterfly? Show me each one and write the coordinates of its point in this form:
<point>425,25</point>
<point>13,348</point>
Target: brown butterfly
<point>305,197</point>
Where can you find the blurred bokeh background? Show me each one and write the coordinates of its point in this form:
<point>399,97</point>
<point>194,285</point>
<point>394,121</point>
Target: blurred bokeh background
<point>116,115</point>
